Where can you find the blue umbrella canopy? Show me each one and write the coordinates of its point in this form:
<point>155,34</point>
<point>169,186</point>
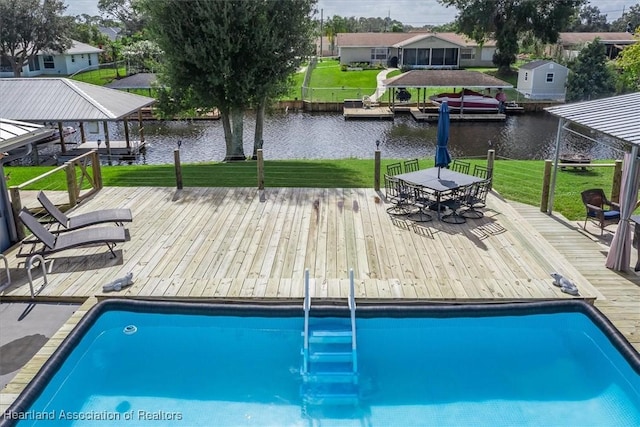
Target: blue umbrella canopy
<point>442,153</point>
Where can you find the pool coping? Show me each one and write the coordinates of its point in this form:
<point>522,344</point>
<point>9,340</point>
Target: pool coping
<point>73,331</point>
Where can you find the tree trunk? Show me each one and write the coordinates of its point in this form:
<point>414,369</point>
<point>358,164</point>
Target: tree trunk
<point>235,147</point>
<point>259,133</point>
<point>228,134</point>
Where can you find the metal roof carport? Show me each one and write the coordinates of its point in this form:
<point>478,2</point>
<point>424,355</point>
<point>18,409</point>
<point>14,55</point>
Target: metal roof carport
<point>443,78</point>
<point>63,100</point>
<point>619,118</point>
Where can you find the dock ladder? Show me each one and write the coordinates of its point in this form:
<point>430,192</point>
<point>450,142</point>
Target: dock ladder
<point>330,360</point>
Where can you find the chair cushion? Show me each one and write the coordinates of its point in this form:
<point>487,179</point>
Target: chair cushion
<point>611,215</point>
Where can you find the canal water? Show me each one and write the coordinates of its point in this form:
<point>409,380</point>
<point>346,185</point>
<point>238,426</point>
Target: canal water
<point>298,135</point>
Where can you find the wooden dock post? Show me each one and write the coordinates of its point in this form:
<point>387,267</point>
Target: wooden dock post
<point>376,170</point>
<point>617,181</point>
<point>178,166</point>
<point>16,207</point>
<point>546,184</point>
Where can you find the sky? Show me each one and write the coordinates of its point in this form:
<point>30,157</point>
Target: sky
<point>410,12</point>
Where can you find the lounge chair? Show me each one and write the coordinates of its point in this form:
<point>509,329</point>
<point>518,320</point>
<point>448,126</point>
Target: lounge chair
<point>46,243</point>
<point>119,216</point>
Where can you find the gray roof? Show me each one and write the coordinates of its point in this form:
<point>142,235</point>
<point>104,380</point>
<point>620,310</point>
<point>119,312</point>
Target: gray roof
<point>446,78</point>
<point>79,47</point>
<point>15,134</point>
<point>616,116</point>
<point>535,64</point>
<point>60,100</point>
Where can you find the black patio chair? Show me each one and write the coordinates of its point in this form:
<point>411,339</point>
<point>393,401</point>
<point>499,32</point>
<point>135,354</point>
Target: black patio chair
<point>453,202</point>
<point>460,166</point>
<point>475,199</point>
<point>394,169</point>
<point>481,172</point>
<point>411,165</point>
<point>596,203</point>
<point>422,199</point>
<point>397,193</point>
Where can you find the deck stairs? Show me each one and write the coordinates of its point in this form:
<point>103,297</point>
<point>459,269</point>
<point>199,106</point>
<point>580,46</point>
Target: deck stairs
<point>330,360</point>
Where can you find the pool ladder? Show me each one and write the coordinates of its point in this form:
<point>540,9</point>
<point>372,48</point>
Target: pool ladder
<point>330,363</point>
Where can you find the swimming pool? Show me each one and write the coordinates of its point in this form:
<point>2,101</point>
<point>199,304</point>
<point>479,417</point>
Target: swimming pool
<point>155,364</point>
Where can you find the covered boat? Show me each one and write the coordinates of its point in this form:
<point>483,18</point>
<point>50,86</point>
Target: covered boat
<point>468,100</point>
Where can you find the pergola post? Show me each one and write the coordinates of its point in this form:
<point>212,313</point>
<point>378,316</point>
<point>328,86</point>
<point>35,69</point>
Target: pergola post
<point>556,158</point>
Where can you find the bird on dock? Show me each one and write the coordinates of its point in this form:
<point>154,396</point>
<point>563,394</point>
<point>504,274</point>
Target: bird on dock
<point>565,285</point>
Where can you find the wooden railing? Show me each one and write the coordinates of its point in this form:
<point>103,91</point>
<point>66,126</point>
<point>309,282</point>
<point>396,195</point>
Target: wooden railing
<point>88,166</point>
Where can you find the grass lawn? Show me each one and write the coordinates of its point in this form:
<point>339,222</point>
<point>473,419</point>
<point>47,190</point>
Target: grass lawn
<point>100,77</point>
<point>519,180</point>
<point>330,84</point>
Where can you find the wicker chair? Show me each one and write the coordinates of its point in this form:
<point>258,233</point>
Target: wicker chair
<point>596,203</point>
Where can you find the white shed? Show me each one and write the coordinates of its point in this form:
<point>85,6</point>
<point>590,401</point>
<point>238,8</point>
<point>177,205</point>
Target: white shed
<point>543,80</point>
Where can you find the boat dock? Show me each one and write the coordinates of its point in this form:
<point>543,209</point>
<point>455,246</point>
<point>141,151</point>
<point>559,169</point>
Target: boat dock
<point>380,113</point>
<point>118,150</point>
<point>422,115</point>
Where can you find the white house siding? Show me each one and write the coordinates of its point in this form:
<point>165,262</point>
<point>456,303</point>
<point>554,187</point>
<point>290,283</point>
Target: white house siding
<point>483,57</point>
<point>534,85</point>
<point>63,65</point>
<point>78,62</point>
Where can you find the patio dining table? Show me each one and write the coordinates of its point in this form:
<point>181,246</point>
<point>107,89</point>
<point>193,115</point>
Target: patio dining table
<point>439,180</point>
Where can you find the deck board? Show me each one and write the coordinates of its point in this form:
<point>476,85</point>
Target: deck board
<point>183,238</point>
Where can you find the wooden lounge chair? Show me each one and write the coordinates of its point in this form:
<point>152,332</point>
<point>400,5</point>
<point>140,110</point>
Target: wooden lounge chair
<point>119,216</point>
<point>45,242</point>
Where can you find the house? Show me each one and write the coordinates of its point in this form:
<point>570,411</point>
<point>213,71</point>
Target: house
<point>112,33</point>
<point>570,44</point>
<point>543,79</point>
<point>414,50</point>
<point>79,56</point>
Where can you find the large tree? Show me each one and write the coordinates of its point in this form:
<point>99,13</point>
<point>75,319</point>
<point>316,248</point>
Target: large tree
<point>589,20</point>
<point>126,12</point>
<point>231,55</point>
<point>507,21</point>
<point>629,64</point>
<point>28,27</point>
<point>629,21</point>
<point>590,75</point>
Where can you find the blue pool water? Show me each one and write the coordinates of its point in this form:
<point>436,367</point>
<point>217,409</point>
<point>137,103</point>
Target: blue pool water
<point>554,369</point>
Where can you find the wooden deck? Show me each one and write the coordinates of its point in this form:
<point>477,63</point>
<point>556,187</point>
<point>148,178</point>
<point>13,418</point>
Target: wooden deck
<point>225,244</point>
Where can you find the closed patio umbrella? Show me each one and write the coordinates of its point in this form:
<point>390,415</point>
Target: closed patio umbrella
<point>442,153</point>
